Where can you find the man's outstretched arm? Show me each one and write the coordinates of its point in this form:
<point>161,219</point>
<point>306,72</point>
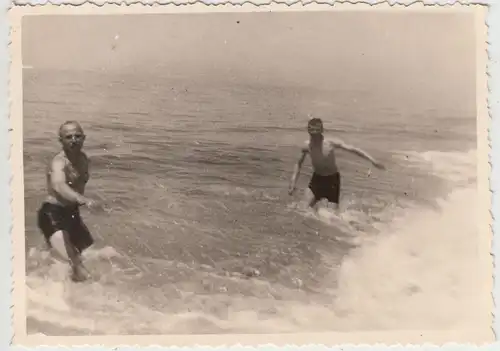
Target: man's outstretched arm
<point>357,151</point>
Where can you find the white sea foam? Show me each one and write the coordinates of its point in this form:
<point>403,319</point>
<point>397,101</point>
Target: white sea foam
<point>420,272</point>
<point>423,271</point>
<point>457,167</point>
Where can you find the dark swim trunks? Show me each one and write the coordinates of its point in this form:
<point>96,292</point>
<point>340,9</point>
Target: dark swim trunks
<point>52,218</point>
<point>326,187</point>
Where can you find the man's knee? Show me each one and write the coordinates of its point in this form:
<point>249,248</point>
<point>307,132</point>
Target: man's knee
<point>58,242</point>
<point>309,196</point>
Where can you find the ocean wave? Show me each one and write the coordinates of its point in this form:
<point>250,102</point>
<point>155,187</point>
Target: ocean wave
<point>419,272</point>
<point>423,271</point>
<point>457,167</point>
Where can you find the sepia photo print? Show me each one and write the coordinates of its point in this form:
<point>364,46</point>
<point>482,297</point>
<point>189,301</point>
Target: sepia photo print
<point>239,171</point>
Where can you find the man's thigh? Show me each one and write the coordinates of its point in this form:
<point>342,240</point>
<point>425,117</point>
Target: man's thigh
<point>58,243</point>
<point>310,198</point>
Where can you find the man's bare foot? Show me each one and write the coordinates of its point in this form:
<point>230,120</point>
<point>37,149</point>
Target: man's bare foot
<point>78,275</point>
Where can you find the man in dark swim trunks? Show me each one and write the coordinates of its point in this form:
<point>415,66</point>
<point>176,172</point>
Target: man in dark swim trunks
<point>59,216</point>
<point>325,181</point>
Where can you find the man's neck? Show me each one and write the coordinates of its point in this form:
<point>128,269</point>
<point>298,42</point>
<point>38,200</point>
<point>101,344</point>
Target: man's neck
<point>72,155</point>
<point>317,140</point>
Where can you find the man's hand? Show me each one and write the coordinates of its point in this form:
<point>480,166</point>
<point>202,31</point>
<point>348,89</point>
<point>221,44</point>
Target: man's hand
<point>90,203</point>
<point>93,204</point>
<point>291,189</point>
<point>378,165</point>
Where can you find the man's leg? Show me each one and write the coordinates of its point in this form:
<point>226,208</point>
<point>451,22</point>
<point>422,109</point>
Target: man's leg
<point>61,243</point>
<point>311,199</point>
<point>335,207</point>
<point>53,222</point>
<point>45,225</point>
<point>334,195</point>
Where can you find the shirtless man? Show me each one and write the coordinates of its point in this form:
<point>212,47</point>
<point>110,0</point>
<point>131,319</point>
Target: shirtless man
<point>59,216</point>
<point>325,181</point>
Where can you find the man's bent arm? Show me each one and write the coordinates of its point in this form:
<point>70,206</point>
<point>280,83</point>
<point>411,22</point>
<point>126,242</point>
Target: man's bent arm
<point>58,180</point>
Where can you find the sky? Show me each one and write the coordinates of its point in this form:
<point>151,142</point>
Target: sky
<point>320,49</point>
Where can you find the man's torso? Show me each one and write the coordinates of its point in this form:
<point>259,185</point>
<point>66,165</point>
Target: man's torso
<point>77,176</point>
<point>322,157</point>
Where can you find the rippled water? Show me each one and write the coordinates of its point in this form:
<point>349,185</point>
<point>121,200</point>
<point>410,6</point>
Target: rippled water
<point>196,179</point>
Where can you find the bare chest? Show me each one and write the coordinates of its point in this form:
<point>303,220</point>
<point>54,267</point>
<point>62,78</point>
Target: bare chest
<point>322,154</point>
<point>76,175</point>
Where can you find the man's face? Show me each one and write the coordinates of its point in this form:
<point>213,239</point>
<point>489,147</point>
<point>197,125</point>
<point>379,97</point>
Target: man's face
<point>72,137</point>
<point>315,130</point>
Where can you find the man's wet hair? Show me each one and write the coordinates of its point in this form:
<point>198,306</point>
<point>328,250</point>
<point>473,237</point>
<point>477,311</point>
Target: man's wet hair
<point>69,123</point>
<point>315,122</point>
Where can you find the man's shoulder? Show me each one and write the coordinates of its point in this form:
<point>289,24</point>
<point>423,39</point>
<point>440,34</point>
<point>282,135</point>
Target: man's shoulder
<point>84,157</point>
<point>60,157</point>
<point>59,161</point>
<point>333,141</point>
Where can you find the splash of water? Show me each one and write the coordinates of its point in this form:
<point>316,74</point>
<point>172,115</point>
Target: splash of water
<point>419,273</point>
